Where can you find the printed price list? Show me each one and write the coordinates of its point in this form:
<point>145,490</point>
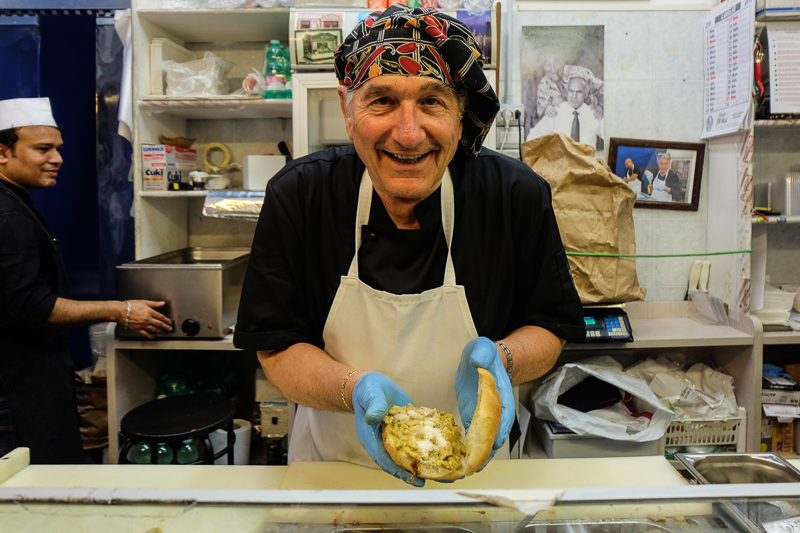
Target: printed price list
<point>728,34</point>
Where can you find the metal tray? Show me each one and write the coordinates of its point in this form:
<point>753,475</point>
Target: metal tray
<point>723,468</point>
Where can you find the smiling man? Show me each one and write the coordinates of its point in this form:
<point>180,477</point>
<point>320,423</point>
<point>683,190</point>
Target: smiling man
<point>350,297</point>
<point>37,400</point>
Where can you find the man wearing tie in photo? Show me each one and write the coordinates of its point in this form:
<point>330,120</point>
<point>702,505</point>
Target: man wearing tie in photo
<point>575,117</point>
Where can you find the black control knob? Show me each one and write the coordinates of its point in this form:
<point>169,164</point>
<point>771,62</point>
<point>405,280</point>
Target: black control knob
<point>190,327</point>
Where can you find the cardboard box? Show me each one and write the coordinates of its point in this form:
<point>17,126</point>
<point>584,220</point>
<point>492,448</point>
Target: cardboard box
<point>259,169</point>
<point>780,397</point>
<point>777,428</point>
<point>274,419</point>
<point>163,164</point>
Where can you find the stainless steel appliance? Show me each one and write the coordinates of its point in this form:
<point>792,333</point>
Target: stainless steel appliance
<point>200,285</point>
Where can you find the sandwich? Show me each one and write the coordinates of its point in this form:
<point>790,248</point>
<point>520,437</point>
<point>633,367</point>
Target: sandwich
<point>429,443</point>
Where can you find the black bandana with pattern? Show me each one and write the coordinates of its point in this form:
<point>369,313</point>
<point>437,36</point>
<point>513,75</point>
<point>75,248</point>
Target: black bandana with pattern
<point>404,41</point>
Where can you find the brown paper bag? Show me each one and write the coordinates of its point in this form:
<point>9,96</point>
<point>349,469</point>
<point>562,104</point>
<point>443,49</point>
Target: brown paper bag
<point>594,210</point>
<point>91,393</point>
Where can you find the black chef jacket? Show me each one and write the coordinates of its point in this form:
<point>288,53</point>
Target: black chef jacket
<point>31,275</point>
<point>36,371</point>
<point>507,251</point>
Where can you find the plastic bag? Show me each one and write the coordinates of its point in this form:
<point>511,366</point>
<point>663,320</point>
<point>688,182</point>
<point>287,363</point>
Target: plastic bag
<point>255,84</point>
<point>546,406</point>
<point>202,77</point>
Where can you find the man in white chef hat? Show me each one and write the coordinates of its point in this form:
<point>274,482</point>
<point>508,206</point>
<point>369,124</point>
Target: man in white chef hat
<point>37,399</point>
<point>576,116</point>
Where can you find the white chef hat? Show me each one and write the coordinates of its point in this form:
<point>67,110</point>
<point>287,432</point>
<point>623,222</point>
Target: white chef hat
<point>576,71</point>
<point>20,112</point>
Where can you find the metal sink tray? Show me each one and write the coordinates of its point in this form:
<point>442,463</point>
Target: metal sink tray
<point>722,468</point>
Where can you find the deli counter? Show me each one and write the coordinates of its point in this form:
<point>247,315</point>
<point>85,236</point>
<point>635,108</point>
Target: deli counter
<point>631,494</point>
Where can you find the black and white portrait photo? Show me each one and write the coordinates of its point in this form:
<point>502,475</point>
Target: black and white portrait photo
<point>562,87</point>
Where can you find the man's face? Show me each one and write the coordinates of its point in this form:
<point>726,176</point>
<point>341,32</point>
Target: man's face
<point>406,130</point>
<point>628,163</point>
<point>35,160</point>
<point>576,92</point>
<point>663,165</point>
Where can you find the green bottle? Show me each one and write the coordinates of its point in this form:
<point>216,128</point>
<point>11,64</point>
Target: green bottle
<point>187,453</point>
<point>141,454</point>
<point>164,454</point>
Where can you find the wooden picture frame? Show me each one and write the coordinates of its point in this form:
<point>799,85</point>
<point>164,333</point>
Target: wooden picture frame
<point>674,169</point>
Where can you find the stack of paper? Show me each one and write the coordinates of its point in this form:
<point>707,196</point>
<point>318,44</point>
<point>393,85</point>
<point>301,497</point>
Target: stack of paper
<point>777,307</point>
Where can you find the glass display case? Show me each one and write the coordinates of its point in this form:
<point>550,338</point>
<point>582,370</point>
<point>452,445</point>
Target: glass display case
<point>745,508</point>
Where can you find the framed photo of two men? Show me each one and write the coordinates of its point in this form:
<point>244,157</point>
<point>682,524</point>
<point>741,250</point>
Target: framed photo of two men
<point>663,174</point>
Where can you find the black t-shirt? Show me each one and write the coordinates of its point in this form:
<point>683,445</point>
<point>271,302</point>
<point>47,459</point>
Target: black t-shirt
<point>30,279</point>
<point>507,251</point>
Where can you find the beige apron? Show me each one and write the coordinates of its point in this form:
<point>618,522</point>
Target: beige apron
<point>415,339</point>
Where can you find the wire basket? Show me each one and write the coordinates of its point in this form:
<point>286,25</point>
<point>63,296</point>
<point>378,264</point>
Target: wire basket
<point>728,432</point>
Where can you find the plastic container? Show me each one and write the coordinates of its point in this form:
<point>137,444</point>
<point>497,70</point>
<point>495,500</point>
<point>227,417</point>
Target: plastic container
<point>728,432</point>
<point>560,445</point>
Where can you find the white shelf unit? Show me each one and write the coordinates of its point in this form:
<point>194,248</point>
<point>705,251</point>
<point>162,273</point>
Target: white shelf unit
<point>170,220</point>
<point>776,144</point>
<point>668,327</point>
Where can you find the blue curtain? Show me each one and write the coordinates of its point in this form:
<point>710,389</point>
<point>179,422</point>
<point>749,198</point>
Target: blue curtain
<point>20,42</point>
<point>114,189</point>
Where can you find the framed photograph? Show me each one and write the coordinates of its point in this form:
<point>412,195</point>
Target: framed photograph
<point>480,25</point>
<point>319,21</point>
<point>663,174</point>
<point>562,74</point>
<point>316,47</point>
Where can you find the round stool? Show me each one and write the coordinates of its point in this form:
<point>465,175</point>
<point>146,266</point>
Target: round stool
<point>176,419</point>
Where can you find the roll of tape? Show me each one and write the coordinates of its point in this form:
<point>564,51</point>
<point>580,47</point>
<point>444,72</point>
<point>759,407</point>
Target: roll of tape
<point>216,146</point>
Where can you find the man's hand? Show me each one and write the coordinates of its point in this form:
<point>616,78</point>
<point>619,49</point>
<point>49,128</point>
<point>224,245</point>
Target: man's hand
<point>482,353</point>
<point>551,111</point>
<point>145,320</point>
<point>373,395</point>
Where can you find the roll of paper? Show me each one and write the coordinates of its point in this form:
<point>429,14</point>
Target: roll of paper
<point>241,449</point>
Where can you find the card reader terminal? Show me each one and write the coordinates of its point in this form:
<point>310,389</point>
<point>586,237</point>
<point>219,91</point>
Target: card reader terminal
<point>607,324</point>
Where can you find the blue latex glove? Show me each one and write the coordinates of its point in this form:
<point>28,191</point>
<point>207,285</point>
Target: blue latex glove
<point>661,188</point>
<point>373,395</point>
<point>482,353</point>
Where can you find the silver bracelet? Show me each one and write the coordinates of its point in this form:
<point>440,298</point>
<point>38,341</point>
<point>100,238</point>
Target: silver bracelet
<point>128,316</point>
<point>509,360</point>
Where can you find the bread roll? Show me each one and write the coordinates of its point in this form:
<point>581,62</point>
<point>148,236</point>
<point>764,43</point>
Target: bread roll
<point>429,444</point>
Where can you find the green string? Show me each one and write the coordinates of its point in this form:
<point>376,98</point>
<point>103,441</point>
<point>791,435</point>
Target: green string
<point>662,255</point>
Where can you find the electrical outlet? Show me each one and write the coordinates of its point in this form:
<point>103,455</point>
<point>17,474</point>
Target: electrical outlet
<point>509,111</point>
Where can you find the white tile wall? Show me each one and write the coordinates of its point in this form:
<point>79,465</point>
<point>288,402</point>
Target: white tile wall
<point>653,90</point>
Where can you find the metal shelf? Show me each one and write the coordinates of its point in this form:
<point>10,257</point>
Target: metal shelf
<point>776,220</point>
<point>217,108</point>
<point>779,123</point>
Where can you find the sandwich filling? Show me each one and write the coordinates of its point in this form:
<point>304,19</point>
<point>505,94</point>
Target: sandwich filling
<point>426,435</point>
